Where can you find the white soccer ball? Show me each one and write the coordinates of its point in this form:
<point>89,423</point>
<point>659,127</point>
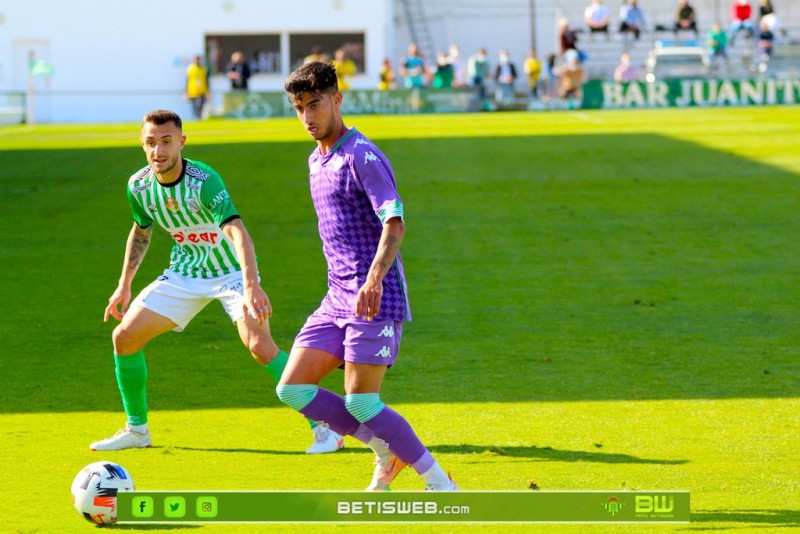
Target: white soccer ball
<point>94,491</point>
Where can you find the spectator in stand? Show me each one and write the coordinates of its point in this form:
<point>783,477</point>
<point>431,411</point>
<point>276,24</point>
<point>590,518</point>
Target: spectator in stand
<point>717,43</point>
<point>458,66</point>
<point>317,55</point>
<point>387,80</point>
<point>741,13</point>
<point>685,18</point>
<point>345,67</point>
<point>571,76</point>
<point>533,69</point>
<point>478,71</point>
<point>550,77</point>
<point>413,69</point>
<point>569,40</point>
<point>625,71</point>
<point>443,73</point>
<point>197,86</point>
<point>504,76</point>
<point>631,18</point>
<point>767,16</point>
<point>238,72</point>
<point>597,17</point>
<point>766,40</point>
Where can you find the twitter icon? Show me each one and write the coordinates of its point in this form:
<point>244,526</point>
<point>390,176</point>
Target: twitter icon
<point>174,507</point>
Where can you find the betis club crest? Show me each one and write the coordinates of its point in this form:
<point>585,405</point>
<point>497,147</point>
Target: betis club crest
<point>613,506</point>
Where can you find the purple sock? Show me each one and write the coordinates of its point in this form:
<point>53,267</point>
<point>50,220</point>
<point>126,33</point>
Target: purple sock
<point>328,407</point>
<point>392,428</point>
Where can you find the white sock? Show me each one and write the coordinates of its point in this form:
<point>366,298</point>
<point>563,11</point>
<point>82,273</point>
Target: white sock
<point>436,476</point>
<point>380,447</point>
<point>141,429</point>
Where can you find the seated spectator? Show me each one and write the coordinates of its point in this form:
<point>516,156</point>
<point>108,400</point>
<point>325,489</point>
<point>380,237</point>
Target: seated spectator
<point>741,12</point>
<point>443,72</point>
<point>685,18</point>
<point>766,41</point>
<point>569,41</point>
<point>717,42</point>
<point>625,72</point>
<point>597,17</point>
<point>571,77</point>
<point>631,18</point>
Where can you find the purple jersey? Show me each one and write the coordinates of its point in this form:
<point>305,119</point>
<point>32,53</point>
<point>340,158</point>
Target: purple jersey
<point>354,194</point>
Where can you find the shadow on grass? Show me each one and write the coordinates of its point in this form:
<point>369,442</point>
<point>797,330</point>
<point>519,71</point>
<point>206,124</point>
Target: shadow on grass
<point>513,451</point>
<point>762,518</point>
<point>554,268</point>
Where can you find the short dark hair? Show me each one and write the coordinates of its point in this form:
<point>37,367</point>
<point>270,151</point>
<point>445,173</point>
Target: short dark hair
<point>314,77</point>
<point>162,116</point>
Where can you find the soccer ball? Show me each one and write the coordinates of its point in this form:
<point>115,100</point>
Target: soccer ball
<point>94,491</point>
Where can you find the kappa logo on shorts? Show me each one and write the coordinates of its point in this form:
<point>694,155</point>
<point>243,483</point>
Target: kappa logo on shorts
<point>385,352</point>
<point>388,331</point>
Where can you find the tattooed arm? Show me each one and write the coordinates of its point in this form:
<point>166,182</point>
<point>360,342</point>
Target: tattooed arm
<point>135,250</point>
<point>368,303</point>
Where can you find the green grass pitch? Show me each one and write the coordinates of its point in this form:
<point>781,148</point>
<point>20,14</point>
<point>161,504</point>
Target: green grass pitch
<point>601,300</point>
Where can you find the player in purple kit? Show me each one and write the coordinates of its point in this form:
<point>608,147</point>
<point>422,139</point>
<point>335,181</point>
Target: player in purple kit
<point>359,323</point>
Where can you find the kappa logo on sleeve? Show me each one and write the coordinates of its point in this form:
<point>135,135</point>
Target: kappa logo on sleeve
<point>369,156</point>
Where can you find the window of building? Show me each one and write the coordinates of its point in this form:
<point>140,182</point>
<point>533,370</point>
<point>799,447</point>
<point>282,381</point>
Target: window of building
<point>262,51</point>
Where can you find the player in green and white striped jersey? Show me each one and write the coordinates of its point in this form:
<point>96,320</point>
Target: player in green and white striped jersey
<point>213,257</point>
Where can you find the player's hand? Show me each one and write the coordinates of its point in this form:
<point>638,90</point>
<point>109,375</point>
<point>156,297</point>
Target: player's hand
<point>368,302</point>
<point>118,304</point>
<point>256,304</point>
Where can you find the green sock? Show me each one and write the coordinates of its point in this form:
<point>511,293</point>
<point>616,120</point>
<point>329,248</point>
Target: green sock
<point>276,367</point>
<point>131,374</point>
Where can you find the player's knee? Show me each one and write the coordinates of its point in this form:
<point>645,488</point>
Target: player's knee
<point>125,341</point>
<point>363,406</point>
<point>263,349</point>
<point>296,396</point>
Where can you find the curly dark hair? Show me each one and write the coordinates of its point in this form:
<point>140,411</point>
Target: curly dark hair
<point>314,77</point>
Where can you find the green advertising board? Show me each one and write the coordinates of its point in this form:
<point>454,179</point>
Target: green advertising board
<point>256,104</point>
<point>600,94</point>
<point>406,507</point>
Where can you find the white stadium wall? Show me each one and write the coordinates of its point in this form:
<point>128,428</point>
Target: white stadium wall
<point>114,60</point>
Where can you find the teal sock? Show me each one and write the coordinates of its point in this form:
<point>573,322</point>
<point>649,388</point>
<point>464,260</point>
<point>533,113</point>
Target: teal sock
<point>276,367</point>
<point>131,374</point>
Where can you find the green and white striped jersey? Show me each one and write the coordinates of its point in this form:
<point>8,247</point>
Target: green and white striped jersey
<point>192,210</point>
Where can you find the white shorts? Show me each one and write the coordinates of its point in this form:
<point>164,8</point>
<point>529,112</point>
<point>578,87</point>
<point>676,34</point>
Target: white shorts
<point>179,298</point>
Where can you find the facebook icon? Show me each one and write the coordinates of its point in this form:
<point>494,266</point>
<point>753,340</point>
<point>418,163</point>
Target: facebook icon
<point>143,507</point>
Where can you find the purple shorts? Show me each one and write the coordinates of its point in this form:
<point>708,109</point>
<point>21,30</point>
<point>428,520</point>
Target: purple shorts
<point>352,339</point>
